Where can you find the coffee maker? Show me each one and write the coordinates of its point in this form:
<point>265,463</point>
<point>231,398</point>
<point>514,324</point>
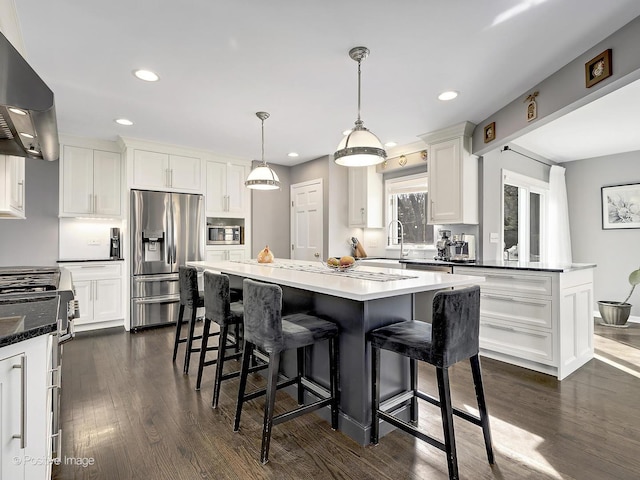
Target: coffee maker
<point>444,246</point>
<point>114,244</point>
<point>463,248</point>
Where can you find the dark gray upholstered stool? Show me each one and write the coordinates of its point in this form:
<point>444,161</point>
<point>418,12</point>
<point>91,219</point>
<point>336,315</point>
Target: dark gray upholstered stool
<point>266,328</point>
<point>192,298</point>
<point>451,338</point>
<point>219,308</point>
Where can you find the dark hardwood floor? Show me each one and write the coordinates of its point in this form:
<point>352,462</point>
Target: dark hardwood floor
<point>134,415</point>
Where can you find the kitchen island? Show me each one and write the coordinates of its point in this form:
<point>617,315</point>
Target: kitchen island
<point>359,300</point>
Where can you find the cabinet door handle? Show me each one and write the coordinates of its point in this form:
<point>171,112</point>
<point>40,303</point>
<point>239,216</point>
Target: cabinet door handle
<point>499,297</point>
<point>95,288</point>
<point>23,400</point>
<point>21,194</point>
<point>501,276</point>
<point>500,327</point>
<point>171,176</point>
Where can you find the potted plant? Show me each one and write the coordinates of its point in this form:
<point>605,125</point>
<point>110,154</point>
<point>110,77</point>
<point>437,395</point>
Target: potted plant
<point>617,313</point>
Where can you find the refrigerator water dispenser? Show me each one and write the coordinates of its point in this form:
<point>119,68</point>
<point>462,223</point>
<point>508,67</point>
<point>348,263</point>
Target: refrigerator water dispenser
<point>154,246</point>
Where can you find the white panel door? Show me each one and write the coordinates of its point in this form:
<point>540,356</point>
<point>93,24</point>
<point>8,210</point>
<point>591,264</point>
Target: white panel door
<point>184,173</point>
<point>12,465</point>
<point>237,193</point>
<point>77,174</point>
<point>444,181</point>
<point>150,169</point>
<point>216,188</point>
<point>107,299</point>
<point>84,295</point>
<point>307,220</point>
<point>106,183</point>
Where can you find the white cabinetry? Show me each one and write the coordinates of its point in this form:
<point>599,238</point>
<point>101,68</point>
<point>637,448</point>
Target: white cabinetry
<point>538,320</point>
<point>365,197</point>
<point>453,176</point>
<point>99,294</point>
<point>90,182</point>
<point>223,253</point>
<point>25,406</point>
<point>226,195</point>
<point>154,170</point>
<point>12,184</point>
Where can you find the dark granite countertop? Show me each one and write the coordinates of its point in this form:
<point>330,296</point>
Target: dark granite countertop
<point>26,317</point>
<point>93,260</point>
<point>503,264</point>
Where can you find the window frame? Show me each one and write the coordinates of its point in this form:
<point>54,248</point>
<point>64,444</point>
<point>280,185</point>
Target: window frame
<point>529,185</point>
<point>414,183</point>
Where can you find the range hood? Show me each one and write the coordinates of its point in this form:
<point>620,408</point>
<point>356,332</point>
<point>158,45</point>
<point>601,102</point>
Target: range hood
<point>28,125</point>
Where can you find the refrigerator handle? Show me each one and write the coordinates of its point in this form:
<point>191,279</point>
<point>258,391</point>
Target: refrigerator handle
<point>169,239</point>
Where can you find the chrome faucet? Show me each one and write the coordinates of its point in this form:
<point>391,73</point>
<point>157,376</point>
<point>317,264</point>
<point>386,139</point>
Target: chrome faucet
<point>402,254</point>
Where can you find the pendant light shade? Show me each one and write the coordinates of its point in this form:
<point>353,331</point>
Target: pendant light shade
<point>360,147</point>
<point>262,177</point>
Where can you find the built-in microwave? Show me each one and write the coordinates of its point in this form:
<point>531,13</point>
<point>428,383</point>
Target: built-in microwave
<point>224,235</point>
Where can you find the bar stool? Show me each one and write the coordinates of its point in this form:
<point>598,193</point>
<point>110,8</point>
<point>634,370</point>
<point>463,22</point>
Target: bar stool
<point>266,328</point>
<point>451,338</point>
<point>219,308</point>
<point>192,298</point>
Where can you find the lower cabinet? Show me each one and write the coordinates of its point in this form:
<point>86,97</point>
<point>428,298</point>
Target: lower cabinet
<point>12,187</point>
<point>99,294</point>
<point>539,320</point>
<point>25,410</point>
<point>221,254</point>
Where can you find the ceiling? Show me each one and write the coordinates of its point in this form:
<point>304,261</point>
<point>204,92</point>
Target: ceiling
<point>220,62</point>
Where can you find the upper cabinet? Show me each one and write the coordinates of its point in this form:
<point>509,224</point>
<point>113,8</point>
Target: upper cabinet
<point>90,182</point>
<point>365,197</point>
<point>226,194</point>
<point>453,176</point>
<point>153,170</point>
<point>12,184</point>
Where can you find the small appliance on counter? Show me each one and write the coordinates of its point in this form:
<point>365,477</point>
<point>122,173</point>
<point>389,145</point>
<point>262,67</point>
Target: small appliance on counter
<point>463,248</point>
<point>444,246</point>
<point>114,245</point>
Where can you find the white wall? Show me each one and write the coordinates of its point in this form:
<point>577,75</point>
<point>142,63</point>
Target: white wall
<point>34,240</point>
<point>86,239</point>
<point>616,252</point>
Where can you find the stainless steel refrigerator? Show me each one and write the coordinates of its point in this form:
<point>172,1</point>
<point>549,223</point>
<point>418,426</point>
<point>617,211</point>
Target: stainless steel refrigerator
<point>167,229</point>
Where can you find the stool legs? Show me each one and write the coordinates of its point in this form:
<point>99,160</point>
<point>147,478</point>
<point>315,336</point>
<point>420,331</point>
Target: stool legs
<point>222,347</point>
<point>300,365</point>
<point>247,350</point>
<point>413,375</point>
<point>442,374</point>
<point>375,394</point>
<point>482,406</point>
<point>176,342</point>
<point>203,350</point>
<point>189,349</point>
<point>272,385</point>
<point>334,381</point>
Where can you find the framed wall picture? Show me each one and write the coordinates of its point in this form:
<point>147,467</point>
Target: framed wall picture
<point>490,132</point>
<point>598,68</point>
<point>621,206</point>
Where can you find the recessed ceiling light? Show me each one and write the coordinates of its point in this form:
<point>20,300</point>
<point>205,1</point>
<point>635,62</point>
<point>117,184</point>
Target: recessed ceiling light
<point>292,154</point>
<point>346,132</point>
<point>33,150</point>
<point>146,75</point>
<point>390,144</point>
<point>17,111</point>
<point>26,135</point>
<point>123,121</point>
<point>448,95</point>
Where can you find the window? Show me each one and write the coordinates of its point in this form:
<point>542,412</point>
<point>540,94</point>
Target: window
<point>523,216</point>
<point>407,202</point>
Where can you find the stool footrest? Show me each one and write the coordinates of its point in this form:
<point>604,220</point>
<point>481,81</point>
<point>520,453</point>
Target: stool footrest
<point>313,387</point>
<point>396,401</point>
<point>467,416</point>
<point>411,430</point>
<point>263,391</point>
<point>283,417</point>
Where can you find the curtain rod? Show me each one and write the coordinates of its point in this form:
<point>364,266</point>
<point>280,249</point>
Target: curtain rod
<point>506,148</point>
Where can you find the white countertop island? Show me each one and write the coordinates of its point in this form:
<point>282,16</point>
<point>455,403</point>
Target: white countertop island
<point>315,277</point>
<point>358,301</point>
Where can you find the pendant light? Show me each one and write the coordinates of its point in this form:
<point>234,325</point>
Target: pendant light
<point>262,177</point>
<point>360,147</point>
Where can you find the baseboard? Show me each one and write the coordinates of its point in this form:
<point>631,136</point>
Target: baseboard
<point>632,318</point>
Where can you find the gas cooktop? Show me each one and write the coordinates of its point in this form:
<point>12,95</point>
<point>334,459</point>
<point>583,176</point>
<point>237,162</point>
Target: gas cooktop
<point>28,279</point>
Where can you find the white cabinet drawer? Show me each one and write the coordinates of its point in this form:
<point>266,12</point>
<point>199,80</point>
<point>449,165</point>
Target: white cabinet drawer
<point>513,282</point>
<point>519,342</point>
<point>531,312</point>
<point>94,271</point>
